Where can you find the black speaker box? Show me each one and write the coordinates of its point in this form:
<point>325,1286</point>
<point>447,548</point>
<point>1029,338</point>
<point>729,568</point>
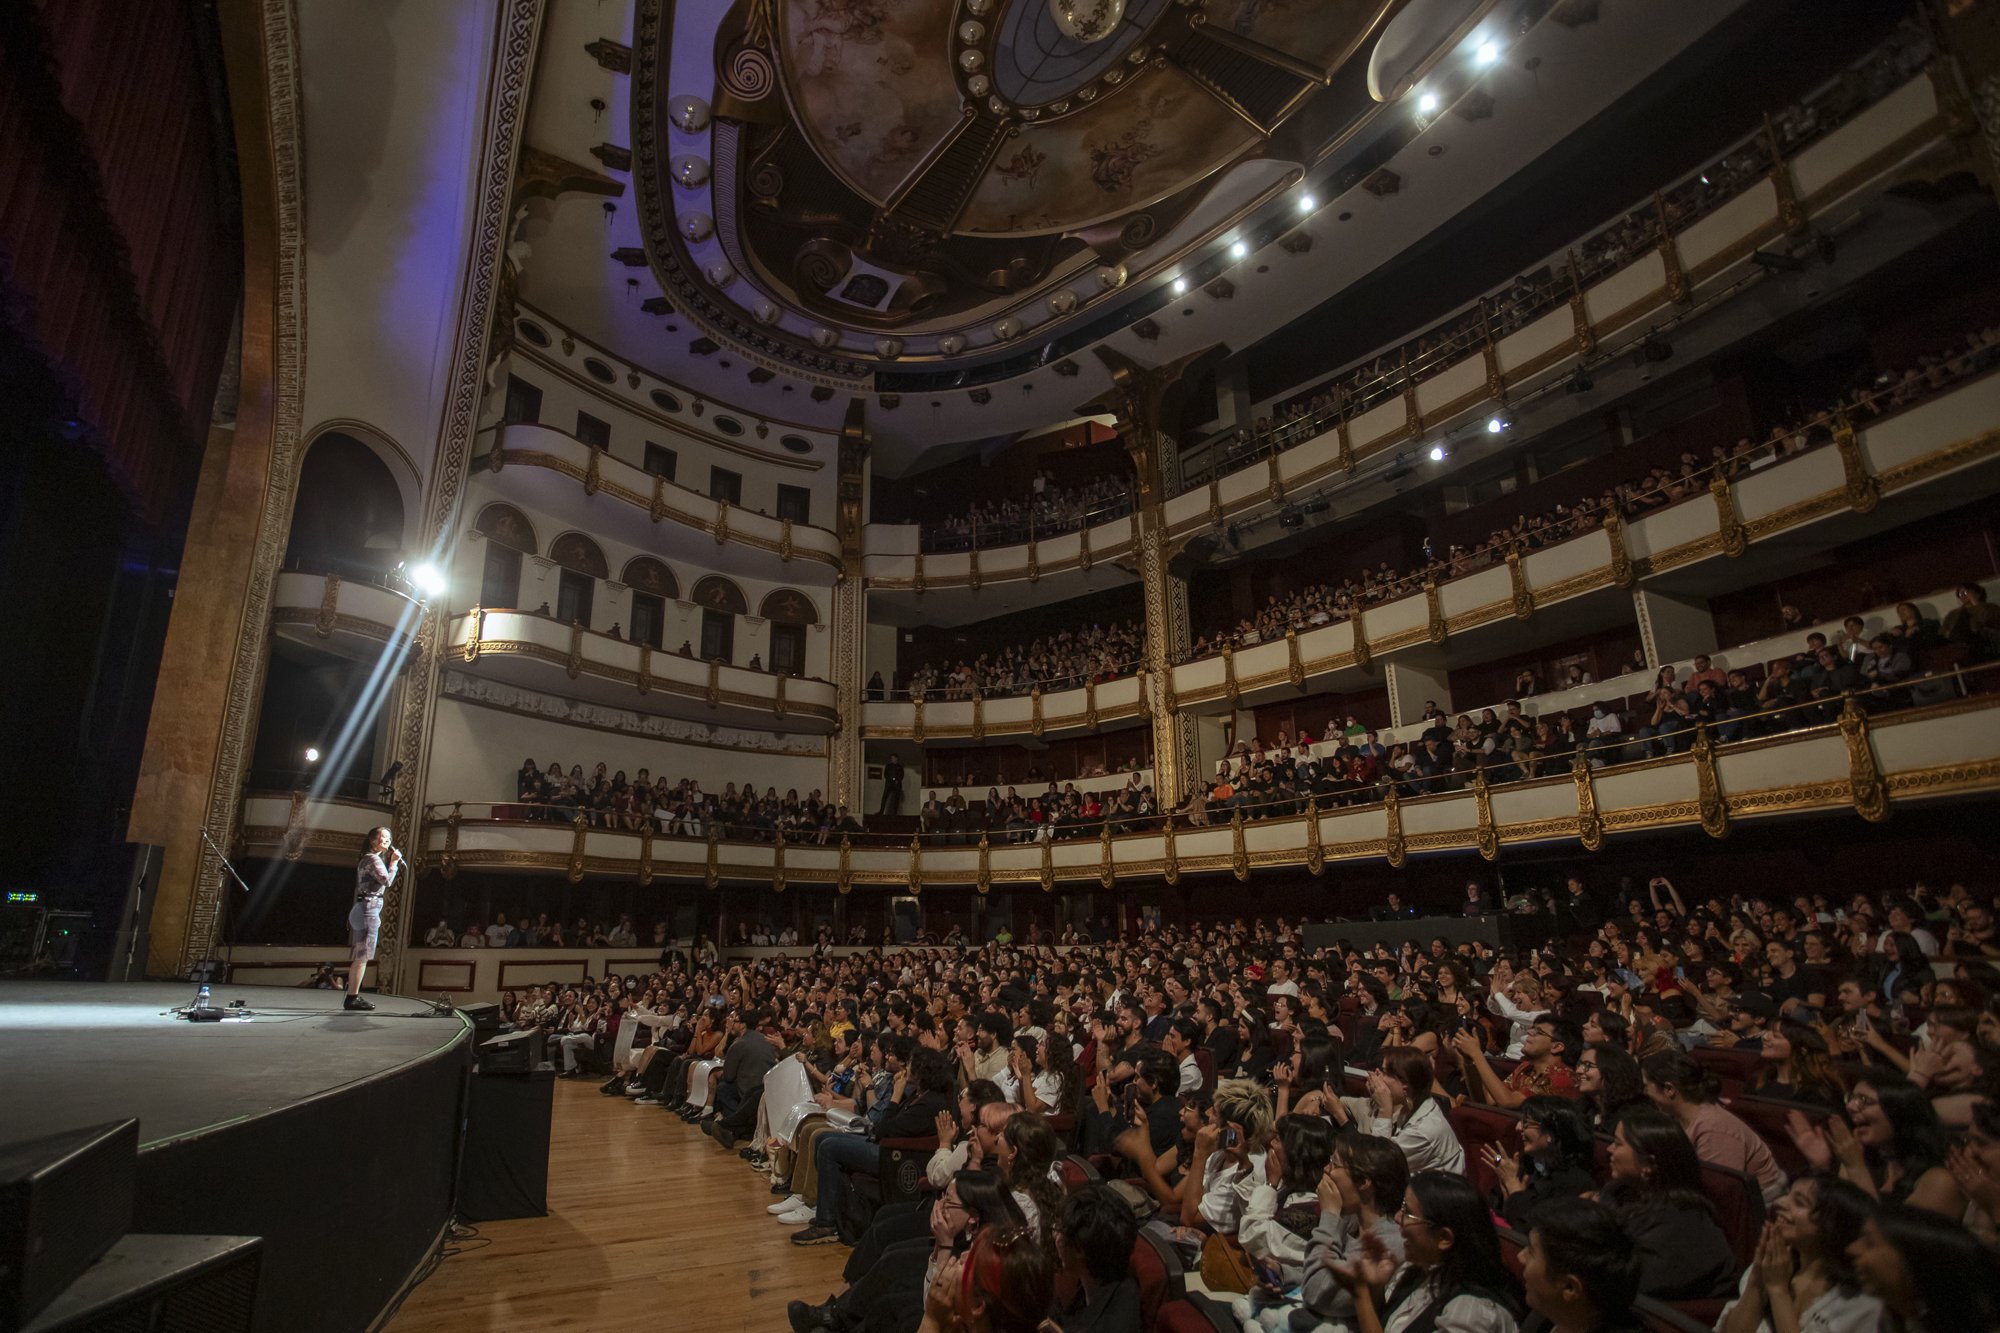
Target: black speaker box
<point>64,1200</point>
<point>513,1052</point>
<point>485,1019</point>
<point>168,1284</point>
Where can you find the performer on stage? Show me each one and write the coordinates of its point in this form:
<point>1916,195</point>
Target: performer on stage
<point>372,878</point>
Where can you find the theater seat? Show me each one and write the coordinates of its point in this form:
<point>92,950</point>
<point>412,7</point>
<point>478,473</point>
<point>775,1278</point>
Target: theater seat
<point>1769,1116</point>
<point>1739,1208</point>
<point>1075,1172</point>
<point>1159,1274</point>
<point>1478,1125</point>
<point>1733,1069</point>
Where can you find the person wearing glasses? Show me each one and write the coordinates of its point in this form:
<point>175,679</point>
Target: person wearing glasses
<point>1004,1283</point>
<point>1451,1279</point>
<point>1891,1144</point>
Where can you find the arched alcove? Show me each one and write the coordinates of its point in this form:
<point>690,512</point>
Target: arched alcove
<point>348,517</point>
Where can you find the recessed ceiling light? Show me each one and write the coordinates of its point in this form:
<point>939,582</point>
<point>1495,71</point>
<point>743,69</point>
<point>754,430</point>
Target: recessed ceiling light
<point>1487,53</point>
<point>1427,103</point>
<point>1437,453</point>
<point>1307,203</point>
<point>1180,286</point>
<point>1239,251</point>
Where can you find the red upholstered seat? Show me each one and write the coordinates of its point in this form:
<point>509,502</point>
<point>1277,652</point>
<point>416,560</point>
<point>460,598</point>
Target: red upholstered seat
<point>1158,1271</point>
<point>1768,1116</point>
<point>1076,1172</point>
<point>1478,1125</point>
<point>1732,1068</point>
<point>1739,1208</point>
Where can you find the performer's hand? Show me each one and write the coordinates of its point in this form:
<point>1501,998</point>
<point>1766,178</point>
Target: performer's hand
<point>394,855</point>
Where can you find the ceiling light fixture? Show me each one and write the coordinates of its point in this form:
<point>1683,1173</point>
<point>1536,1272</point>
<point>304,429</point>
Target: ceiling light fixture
<point>1180,286</point>
<point>1494,425</point>
<point>1437,453</point>
<point>1427,103</point>
<point>428,578</point>
<point>1307,203</point>
<point>1487,54</point>
<point>312,754</point>
<point>1239,251</point>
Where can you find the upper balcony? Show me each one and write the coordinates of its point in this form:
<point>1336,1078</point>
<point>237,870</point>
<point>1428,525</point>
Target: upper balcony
<point>555,473</point>
<point>362,617</point>
<point>538,653</point>
<point>1089,708</point>
<point>1499,351</point>
<point>1865,761</point>
<point>1866,480</point>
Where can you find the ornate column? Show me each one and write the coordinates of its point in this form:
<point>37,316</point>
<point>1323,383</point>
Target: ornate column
<point>1146,402</point>
<point>1966,73</point>
<point>845,784</point>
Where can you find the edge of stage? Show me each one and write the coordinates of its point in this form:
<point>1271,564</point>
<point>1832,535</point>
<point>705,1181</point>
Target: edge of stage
<point>334,1136</point>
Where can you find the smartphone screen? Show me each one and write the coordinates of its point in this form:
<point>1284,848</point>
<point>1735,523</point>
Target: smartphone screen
<point>1232,1137</point>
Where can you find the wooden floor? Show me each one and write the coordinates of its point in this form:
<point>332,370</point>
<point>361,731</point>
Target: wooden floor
<point>650,1226</point>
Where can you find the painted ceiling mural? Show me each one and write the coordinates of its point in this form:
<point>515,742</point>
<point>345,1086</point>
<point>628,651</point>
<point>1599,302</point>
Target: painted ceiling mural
<point>918,179</point>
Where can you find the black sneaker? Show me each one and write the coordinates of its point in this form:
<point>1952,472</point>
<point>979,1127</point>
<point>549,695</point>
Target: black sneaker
<point>817,1235</point>
<point>806,1318</point>
<point>781,1188</point>
<point>355,1002</point>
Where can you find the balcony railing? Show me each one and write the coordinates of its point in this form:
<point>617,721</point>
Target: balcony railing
<point>1860,753</point>
<point>687,683</point>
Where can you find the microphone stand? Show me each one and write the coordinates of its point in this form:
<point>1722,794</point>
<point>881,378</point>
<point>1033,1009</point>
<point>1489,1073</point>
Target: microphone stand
<point>215,920</point>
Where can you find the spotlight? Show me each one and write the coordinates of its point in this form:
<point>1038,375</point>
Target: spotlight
<point>1180,286</point>
<point>1487,54</point>
<point>312,754</point>
<point>1307,203</point>
<point>1239,251</point>
<point>1498,423</point>
<point>1437,453</point>
<point>1427,103</point>
<point>428,578</point>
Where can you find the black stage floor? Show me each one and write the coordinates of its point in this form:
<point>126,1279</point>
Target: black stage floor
<point>333,1135</point>
<point>83,1053</point>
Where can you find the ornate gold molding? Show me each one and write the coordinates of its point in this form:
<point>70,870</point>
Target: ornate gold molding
<point>329,606</point>
<point>1734,541</point>
<point>578,831</point>
<point>1484,834</point>
<point>1709,800</point>
<point>1392,834</point>
<point>778,863</point>
<point>1622,573</point>
<point>1107,874</point>
<point>1239,856</point>
<point>1863,494</point>
<point>984,882</point>
<point>475,624</point>
<point>1864,775</point>
<point>1434,626</point>
<point>1523,596</point>
<point>1589,827</point>
<point>1295,670</point>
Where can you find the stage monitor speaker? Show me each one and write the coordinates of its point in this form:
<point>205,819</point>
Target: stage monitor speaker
<point>485,1019</point>
<point>513,1052</point>
<point>162,1282</point>
<point>64,1200</point>
<point>504,1170</point>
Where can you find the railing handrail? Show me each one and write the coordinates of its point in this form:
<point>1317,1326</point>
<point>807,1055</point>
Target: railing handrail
<point>1828,421</point>
<point>604,452</point>
<point>1155,822</point>
<point>661,651</point>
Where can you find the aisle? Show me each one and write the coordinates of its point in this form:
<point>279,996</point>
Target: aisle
<point>650,1226</point>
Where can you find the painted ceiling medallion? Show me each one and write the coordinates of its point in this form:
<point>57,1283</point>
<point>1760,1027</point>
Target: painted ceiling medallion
<point>952,344</point>
<point>689,171</point>
<point>823,336</point>
<point>697,226</point>
<point>1007,330</point>
<point>766,311</point>
<point>888,348</point>
<point>1087,20</point>
<point>719,273</point>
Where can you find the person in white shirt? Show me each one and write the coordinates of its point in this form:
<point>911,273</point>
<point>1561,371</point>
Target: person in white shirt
<point>1399,1106</point>
<point>1280,982</point>
<point>1228,1160</point>
<point>1180,1042</point>
<point>440,937</point>
<point>1518,999</point>
<point>1452,1278</point>
<point>497,933</point>
<point>1904,919</point>
<point>1603,722</point>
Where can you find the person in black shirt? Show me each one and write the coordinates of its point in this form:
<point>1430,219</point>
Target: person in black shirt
<point>1094,1239</point>
<point>1148,1102</point>
<point>1791,984</point>
<point>1581,1270</point>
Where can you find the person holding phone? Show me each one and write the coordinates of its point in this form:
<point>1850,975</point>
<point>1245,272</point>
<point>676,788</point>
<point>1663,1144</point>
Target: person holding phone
<point>1227,1159</point>
<point>1278,1220</point>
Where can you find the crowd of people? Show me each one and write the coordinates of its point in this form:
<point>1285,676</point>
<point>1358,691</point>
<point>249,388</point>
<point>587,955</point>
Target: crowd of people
<point>1884,668</point>
<point>1662,485</point>
<point>1532,295</point>
<point>1047,511</point>
<point>1768,1112</point>
<point>606,799</point>
<point>1061,661</point>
